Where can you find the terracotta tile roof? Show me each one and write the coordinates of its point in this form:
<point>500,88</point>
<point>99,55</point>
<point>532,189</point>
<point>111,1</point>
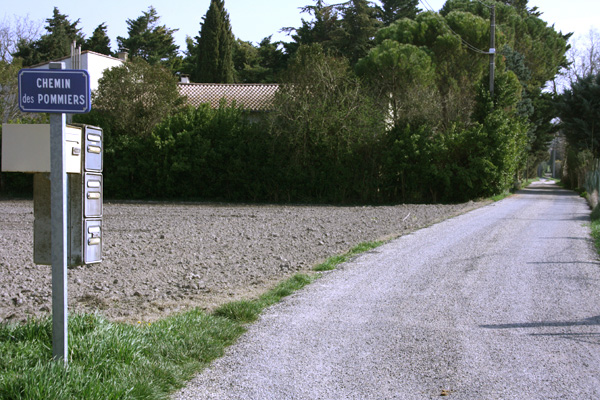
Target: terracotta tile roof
<point>253,97</point>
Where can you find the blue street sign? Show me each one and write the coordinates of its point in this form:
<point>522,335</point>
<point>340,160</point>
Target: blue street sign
<point>55,91</point>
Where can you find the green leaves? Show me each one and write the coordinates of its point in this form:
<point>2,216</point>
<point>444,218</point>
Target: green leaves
<point>579,111</point>
<point>212,56</point>
<point>150,41</point>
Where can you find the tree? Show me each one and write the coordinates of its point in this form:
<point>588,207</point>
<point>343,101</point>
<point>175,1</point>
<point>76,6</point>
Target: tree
<point>150,41</point>
<point>584,57</point>
<point>19,30</point>
<point>403,77</point>
<point>262,64</point>
<point>212,56</point>
<point>458,71</point>
<point>326,128</point>
<point>99,41</point>
<point>520,5</point>
<point>579,112</point>
<point>358,26</point>
<point>322,29</point>
<point>392,10</point>
<point>135,96</point>
<point>55,44</point>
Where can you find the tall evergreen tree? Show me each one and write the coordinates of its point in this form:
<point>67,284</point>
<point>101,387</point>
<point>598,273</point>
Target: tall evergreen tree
<point>150,41</point>
<point>55,44</point>
<point>393,10</point>
<point>212,56</point>
<point>99,41</point>
<point>322,29</point>
<point>358,27</point>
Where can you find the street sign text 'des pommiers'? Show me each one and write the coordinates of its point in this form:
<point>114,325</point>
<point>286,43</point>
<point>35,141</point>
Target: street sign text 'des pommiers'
<point>54,91</point>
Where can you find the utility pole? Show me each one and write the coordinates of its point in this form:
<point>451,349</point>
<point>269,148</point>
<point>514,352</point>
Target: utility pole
<point>492,48</point>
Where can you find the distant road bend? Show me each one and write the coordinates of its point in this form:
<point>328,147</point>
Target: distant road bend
<point>499,303</point>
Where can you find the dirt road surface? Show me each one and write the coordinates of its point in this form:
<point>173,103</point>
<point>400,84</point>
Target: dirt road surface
<point>499,303</point>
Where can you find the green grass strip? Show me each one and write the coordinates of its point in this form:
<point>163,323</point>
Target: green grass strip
<point>334,261</point>
<point>110,360</point>
<point>595,227</point>
<point>121,361</point>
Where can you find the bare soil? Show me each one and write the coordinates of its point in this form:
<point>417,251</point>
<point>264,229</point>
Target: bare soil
<point>161,258</point>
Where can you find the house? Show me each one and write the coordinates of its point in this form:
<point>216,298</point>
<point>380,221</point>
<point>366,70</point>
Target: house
<point>94,63</point>
<point>254,97</point>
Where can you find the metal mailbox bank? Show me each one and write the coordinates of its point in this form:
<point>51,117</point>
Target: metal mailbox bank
<point>27,149</point>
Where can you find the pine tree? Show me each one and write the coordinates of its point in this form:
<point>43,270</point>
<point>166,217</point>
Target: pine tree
<point>358,27</point>
<point>150,41</point>
<point>393,10</point>
<point>213,53</point>
<point>99,42</point>
<point>55,44</point>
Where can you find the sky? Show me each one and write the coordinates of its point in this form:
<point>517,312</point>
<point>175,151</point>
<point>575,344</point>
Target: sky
<point>251,20</point>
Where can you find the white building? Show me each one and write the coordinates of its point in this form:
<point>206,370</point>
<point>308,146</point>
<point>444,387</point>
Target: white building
<point>94,63</point>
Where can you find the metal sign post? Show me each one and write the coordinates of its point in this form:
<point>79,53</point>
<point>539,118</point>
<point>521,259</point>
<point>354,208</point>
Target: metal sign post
<point>58,206</point>
<point>57,91</point>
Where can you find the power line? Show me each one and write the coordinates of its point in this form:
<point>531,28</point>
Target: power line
<point>483,4</point>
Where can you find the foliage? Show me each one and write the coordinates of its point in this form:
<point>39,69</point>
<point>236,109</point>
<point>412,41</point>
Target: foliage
<point>402,76</point>
<point>212,56</point>
<point>262,64</point>
<point>9,101</point>
<point>358,27</point>
<point>135,97</point>
<point>457,165</point>
<point>15,31</point>
<point>584,57</point>
<point>328,129</point>
<point>322,29</point>
<point>147,40</point>
<point>392,10</point>
<point>523,30</point>
<point>55,44</point>
<point>99,41</point>
<point>579,111</point>
<point>346,29</point>
<point>456,71</point>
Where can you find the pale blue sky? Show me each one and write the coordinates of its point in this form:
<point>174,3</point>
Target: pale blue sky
<point>251,20</point>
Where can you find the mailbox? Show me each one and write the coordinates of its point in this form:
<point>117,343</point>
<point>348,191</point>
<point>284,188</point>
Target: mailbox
<point>85,235</point>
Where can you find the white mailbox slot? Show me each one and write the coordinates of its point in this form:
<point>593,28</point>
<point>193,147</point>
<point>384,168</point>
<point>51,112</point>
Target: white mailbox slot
<point>92,246</point>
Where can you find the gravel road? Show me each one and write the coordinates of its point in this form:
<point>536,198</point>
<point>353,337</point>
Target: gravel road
<point>161,258</point>
<point>499,303</point>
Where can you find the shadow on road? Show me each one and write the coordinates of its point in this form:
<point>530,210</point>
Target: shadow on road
<point>593,321</point>
<point>546,189</point>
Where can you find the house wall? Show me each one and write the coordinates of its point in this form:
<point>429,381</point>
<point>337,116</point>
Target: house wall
<point>94,63</point>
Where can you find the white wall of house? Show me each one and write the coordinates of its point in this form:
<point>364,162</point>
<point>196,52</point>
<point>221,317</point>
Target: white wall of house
<point>94,63</point>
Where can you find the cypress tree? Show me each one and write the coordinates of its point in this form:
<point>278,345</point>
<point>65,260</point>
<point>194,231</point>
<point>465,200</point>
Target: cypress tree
<point>214,51</point>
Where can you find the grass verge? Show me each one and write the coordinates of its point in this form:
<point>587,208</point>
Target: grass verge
<point>120,361</point>
<point>334,261</point>
<point>595,227</point>
<point>110,360</point>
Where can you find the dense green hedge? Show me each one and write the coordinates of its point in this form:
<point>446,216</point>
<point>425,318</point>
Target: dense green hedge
<point>220,155</point>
